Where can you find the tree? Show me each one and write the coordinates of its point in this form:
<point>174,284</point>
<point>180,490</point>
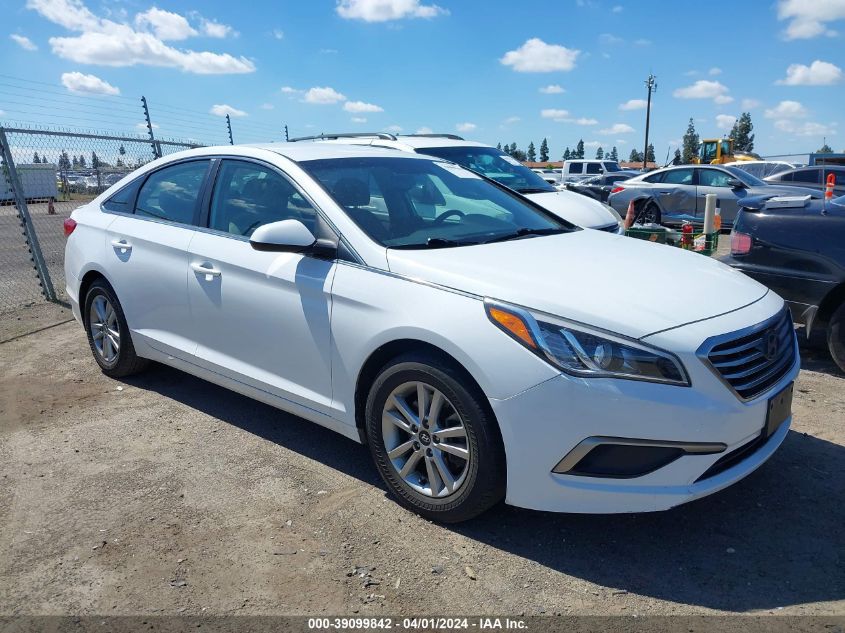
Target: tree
<point>122,150</point>
<point>82,163</point>
<point>567,154</point>
<point>499,147</point>
<point>64,161</point>
<point>690,144</point>
<point>532,152</point>
<point>649,154</point>
<point>579,149</point>
<point>75,162</point>
<point>513,150</point>
<point>635,157</point>
<point>544,151</point>
<point>614,155</point>
<point>741,133</point>
<point>95,162</point>
<point>599,153</point>
<point>825,149</point>
<point>676,159</point>
<point>36,159</point>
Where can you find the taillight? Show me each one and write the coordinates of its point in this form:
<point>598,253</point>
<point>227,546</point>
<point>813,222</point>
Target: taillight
<point>740,243</point>
<point>69,225</point>
<point>617,189</point>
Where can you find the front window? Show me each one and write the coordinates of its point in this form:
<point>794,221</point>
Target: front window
<point>593,168</point>
<point>713,178</point>
<point>612,166</point>
<point>677,177</point>
<point>743,176</point>
<point>708,152</point>
<point>494,164</point>
<point>417,203</point>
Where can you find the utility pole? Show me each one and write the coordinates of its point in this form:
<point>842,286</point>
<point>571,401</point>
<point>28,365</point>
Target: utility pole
<point>651,84</point>
<point>229,127</point>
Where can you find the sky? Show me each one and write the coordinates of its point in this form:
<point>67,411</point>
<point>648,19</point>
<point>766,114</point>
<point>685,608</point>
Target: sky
<point>492,71</point>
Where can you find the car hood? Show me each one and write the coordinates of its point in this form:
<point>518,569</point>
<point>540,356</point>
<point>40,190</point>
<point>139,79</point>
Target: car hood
<point>629,286</point>
<point>575,208</point>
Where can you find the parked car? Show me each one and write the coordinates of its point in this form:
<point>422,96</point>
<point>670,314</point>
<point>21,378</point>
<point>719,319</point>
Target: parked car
<point>551,176</point>
<point>578,169</point>
<point>799,252</point>
<point>762,168</point>
<point>678,193</point>
<point>814,177</point>
<point>599,187</point>
<point>442,319</point>
<point>495,164</point>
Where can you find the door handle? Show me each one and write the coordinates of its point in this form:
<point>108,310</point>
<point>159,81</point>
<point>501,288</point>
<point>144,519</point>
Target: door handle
<point>206,269</point>
<point>122,244</point>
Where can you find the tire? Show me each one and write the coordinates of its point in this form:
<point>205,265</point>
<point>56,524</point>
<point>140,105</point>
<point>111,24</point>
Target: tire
<point>478,482</point>
<point>650,214</point>
<point>103,317</point>
<point>836,336</point>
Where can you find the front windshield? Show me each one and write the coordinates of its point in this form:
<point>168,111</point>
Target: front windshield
<point>749,179</point>
<point>406,202</point>
<point>494,164</point>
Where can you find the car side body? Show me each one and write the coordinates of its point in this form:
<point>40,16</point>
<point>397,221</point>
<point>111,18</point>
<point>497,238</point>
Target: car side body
<point>812,177</point>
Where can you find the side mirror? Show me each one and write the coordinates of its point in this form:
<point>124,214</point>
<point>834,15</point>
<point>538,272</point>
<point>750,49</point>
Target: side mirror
<point>736,183</point>
<point>285,236</point>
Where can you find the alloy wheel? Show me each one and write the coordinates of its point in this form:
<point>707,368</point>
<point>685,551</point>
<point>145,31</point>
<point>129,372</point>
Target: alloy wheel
<point>105,332</point>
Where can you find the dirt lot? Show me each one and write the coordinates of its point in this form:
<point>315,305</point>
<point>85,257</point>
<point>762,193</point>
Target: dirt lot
<point>164,494</point>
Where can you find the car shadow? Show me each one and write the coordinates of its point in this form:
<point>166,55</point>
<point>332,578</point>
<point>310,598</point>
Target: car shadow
<point>773,540</point>
<point>815,355</point>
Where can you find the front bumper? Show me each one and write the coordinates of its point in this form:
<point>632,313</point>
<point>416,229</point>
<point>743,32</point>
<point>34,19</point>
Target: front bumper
<point>542,425</point>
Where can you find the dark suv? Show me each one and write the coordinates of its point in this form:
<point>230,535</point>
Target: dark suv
<point>799,252</point>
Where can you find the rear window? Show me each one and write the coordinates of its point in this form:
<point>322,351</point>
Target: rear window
<point>575,168</point>
<point>593,168</point>
<point>122,201</point>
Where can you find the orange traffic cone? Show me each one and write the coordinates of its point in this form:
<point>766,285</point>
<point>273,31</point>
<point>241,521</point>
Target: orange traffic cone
<point>828,189</point>
<point>51,210</point>
<point>629,215</point>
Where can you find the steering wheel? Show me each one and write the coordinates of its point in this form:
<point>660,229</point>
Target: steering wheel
<point>448,214</point>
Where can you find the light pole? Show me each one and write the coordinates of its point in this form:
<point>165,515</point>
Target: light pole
<point>651,84</point>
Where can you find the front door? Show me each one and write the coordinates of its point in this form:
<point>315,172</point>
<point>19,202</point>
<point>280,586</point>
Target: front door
<point>716,181</point>
<point>261,318</point>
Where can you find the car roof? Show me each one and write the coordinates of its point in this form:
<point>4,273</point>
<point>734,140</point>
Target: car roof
<point>299,152</point>
<point>407,143</point>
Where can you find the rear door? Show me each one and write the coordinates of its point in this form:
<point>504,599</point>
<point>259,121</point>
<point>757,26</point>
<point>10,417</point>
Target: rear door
<point>716,181</point>
<point>148,251</point>
<point>260,317</point>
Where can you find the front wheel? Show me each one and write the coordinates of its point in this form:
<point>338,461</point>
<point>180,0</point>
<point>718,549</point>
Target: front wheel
<point>836,336</point>
<point>433,441</point>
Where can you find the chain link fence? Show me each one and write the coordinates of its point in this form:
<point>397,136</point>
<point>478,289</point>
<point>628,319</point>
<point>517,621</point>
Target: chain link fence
<point>46,174</point>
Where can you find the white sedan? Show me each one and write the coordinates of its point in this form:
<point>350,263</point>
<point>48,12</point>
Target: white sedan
<point>481,347</point>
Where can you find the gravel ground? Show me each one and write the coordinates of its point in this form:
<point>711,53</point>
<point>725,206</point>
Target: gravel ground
<point>164,494</point>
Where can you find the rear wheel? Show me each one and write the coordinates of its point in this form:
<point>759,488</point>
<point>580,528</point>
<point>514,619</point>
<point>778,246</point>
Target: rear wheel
<point>108,334</point>
<point>434,443</point>
<point>649,215</point>
<point>836,336</point>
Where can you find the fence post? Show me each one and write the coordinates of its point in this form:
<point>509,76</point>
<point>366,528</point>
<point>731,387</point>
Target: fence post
<point>156,146</point>
<point>229,127</point>
<point>26,220</point>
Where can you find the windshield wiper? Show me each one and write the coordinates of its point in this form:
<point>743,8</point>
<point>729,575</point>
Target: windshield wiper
<point>525,232</point>
<point>435,242</point>
<point>535,190</point>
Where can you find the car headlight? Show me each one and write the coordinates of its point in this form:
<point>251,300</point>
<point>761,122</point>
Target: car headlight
<point>582,351</point>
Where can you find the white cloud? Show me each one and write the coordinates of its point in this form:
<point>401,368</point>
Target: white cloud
<point>104,42</point>
<point>328,51</point>
<point>358,119</point>
<point>465,127</point>
<point>749,104</point>
<point>393,129</point>
<point>267,106</point>
<point>704,89</point>
<point>608,39</point>
<point>535,56</point>
<point>88,84</point>
<point>617,128</point>
<point>164,24</point>
<point>387,10</point>
<point>593,144</point>
<point>633,104</point>
<point>725,121</point>
<point>223,110</point>
<point>809,18</point>
<point>288,90</point>
<point>323,95</point>
<point>582,121</point>
<point>360,106</point>
<point>552,89</point>
<point>424,130</point>
<point>818,73</point>
<point>553,113</point>
<point>617,9</point>
<point>279,34</point>
<point>511,120</point>
<point>714,71</point>
<point>213,28</point>
<point>642,42</point>
<point>806,128</point>
<point>24,42</point>
<point>787,110</point>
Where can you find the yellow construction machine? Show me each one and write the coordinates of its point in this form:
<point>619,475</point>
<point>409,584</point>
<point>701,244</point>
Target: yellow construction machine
<point>717,151</point>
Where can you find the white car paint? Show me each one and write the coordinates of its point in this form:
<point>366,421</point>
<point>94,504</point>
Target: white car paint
<point>295,331</point>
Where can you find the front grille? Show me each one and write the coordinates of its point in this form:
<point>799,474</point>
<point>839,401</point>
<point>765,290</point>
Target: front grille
<point>751,361</point>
